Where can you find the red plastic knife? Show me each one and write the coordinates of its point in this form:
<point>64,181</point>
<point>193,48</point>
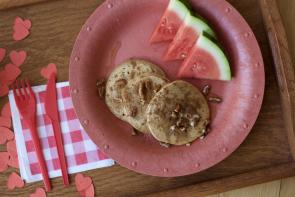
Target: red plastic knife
<point>52,112</point>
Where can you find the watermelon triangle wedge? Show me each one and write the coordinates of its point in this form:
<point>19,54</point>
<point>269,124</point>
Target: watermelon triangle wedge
<point>206,60</point>
<point>170,22</point>
<point>186,37</point>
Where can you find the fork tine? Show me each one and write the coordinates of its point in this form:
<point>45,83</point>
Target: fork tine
<point>26,95</point>
<point>29,87</point>
<point>16,97</point>
<point>21,96</point>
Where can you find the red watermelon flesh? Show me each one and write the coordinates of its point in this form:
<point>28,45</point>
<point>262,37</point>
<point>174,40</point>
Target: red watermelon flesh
<point>170,22</point>
<point>206,61</point>
<point>186,37</point>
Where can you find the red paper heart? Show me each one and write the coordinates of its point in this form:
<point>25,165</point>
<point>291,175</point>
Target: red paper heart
<point>40,192</point>
<point>6,112</point>
<point>11,147</point>
<point>14,181</point>
<point>2,54</point>
<point>5,122</point>
<point>48,70</point>
<point>18,58</point>
<point>5,135</point>
<point>4,157</point>
<point>11,73</point>
<point>26,23</point>
<point>13,161</point>
<point>82,183</point>
<point>20,32</point>
<point>3,89</point>
<point>89,192</point>
<point>13,157</point>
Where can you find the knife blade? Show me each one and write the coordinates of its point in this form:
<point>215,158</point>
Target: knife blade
<point>51,109</point>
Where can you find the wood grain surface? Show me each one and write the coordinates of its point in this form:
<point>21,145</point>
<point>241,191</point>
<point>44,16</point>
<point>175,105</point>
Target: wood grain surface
<point>55,27</point>
<point>6,4</point>
<point>284,66</point>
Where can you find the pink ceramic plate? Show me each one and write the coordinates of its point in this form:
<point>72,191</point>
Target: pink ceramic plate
<point>120,29</point>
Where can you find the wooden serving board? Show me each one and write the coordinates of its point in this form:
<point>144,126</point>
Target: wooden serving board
<point>264,156</point>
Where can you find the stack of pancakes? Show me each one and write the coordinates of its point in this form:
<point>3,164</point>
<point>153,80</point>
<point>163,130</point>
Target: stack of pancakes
<point>139,93</point>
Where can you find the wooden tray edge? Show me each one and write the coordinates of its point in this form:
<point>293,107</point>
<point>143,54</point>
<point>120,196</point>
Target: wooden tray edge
<point>283,65</point>
<point>230,183</point>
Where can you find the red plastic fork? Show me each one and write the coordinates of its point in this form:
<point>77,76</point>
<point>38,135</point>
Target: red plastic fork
<point>26,104</point>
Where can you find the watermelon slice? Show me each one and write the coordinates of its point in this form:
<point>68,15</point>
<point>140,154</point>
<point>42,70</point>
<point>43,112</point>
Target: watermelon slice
<point>170,22</point>
<point>207,61</point>
<point>186,37</point>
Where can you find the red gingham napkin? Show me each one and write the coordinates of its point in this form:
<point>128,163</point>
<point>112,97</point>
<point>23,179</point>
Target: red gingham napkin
<point>81,153</point>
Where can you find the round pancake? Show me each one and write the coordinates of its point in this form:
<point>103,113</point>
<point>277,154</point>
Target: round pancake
<point>136,97</point>
<point>120,77</point>
<point>178,114</point>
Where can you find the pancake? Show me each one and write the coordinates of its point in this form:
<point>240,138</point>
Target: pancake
<point>119,79</point>
<point>136,97</point>
<point>178,114</point>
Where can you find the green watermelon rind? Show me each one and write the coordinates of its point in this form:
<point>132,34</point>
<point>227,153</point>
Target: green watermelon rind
<point>219,56</point>
<point>199,25</point>
<point>179,8</point>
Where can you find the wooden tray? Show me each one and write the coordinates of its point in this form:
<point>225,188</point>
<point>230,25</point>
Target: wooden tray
<point>264,156</point>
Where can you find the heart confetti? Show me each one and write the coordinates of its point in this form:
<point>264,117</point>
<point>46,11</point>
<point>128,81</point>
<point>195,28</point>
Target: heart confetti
<point>14,181</point>
<point>40,192</point>
<point>89,191</point>
<point>26,23</point>
<point>82,182</point>
<point>4,157</point>
<point>11,73</point>
<point>21,28</point>
<point>6,112</point>
<point>48,70</point>
<point>20,32</point>
<point>3,90</point>
<point>13,158</point>
<point>5,135</point>
<point>2,54</point>
<point>5,122</point>
<point>13,161</point>
<point>18,57</point>
<point>11,147</point>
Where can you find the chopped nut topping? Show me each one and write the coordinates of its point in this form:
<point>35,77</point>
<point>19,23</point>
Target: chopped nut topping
<point>133,63</point>
<point>119,100</point>
<point>215,99</point>
<point>142,91</point>
<point>132,75</point>
<point>188,115</point>
<point>134,132</point>
<point>148,84</point>
<point>173,115</point>
<point>206,123</point>
<point>157,88</point>
<point>173,128</point>
<point>194,122</point>
<point>206,90</point>
<point>101,87</point>
<point>101,92</point>
<point>121,83</point>
<point>182,129</point>
<point>188,144</point>
<point>166,145</point>
<point>179,122</point>
<point>100,82</point>
<point>177,108</point>
<point>203,131</point>
<point>133,111</point>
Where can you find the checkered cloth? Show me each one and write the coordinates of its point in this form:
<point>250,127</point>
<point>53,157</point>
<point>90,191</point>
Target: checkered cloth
<point>81,153</point>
